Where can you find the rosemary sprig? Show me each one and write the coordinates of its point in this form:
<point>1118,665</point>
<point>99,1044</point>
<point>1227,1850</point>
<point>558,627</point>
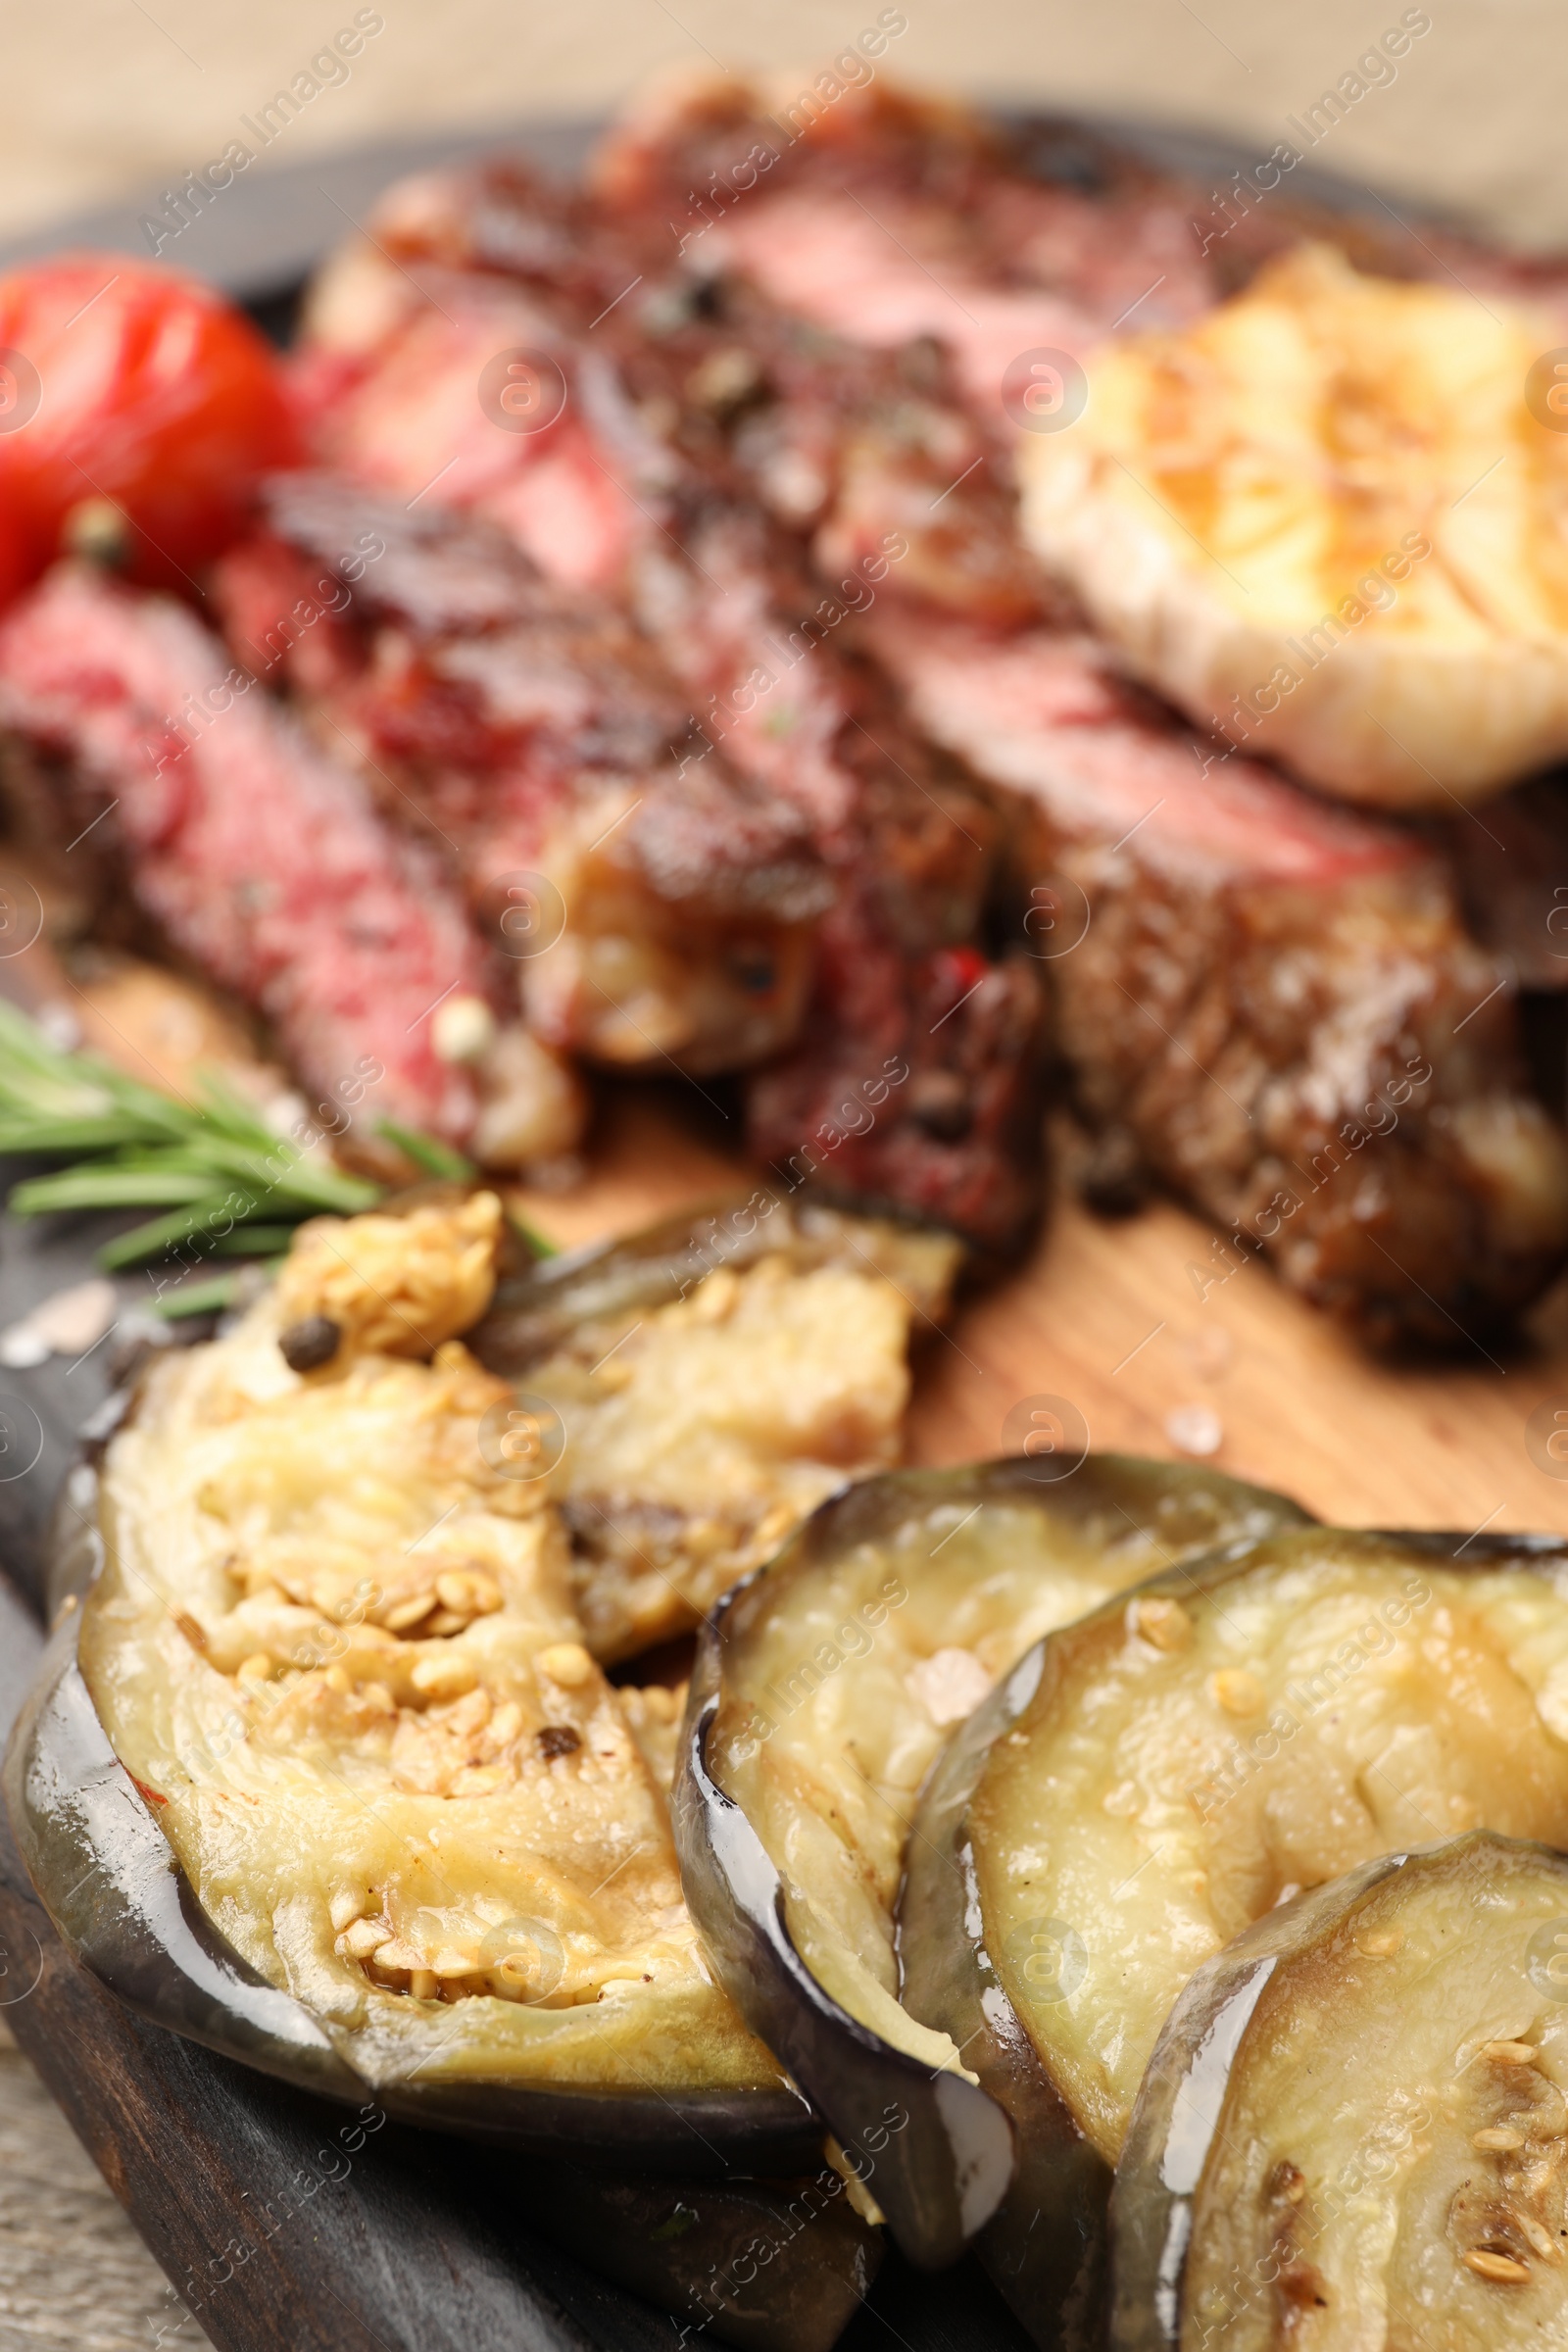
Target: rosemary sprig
<point>224,1181</point>
<point>226,1185</point>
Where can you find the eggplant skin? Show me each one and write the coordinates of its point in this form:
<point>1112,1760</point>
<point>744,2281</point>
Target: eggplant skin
<point>766,2264</point>
<point>986,1554</point>
<point>1358,2106</point>
<point>1048,2246</point>
<point>950,2146</point>
<point>1053,2277</point>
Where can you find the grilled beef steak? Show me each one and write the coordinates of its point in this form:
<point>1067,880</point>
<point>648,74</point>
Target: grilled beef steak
<point>265,863</point>
<point>1314,964</point>
<point>1261,983</point>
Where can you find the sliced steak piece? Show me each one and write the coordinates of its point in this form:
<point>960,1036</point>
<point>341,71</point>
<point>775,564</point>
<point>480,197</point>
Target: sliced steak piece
<point>1277,998</point>
<point>1510,865</point>
<point>264,862</point>
<point>919,1078</point>
<point>471,392</point>
<point>885,216</point>
<point>1511,860</point>
<point>535,738</point>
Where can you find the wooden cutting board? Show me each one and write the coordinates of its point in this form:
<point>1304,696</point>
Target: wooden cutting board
<point>1129,1322</point>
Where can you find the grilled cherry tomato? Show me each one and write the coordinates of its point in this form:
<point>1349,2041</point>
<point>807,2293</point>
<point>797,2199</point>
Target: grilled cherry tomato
<point>136,404</point>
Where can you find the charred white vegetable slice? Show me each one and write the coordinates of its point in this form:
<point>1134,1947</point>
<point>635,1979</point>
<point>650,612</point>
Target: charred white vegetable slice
<point>820,1698</point>
<point>1152,1780</point>
<point>1353,2133</point>
<point>715,1380</point>
<point>333,1642</point>
<point>1290,477</point>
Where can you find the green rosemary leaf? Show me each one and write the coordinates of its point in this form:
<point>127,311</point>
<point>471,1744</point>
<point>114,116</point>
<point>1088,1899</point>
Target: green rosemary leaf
<point>277,1168</point>
<point>194,1224</point>
<point>109,1186</point>
<point>226,1109</point>
<point>427,1152</point>
<point>135,1148</point>
<point>208,1298</point>
<point>253,1241</point>
<point>23,1133</point>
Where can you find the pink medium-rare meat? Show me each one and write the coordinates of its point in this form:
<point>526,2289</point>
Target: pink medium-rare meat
<point>530,730</point>
<point>567,469</point>
<point>260,859</point>
<point>1276,1001</point>
<point>883,214</point>
<point>1046,714</point>
<point>828,260</point>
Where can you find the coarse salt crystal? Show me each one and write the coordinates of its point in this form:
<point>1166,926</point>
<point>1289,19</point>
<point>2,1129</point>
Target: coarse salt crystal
<point>1195,1429</point>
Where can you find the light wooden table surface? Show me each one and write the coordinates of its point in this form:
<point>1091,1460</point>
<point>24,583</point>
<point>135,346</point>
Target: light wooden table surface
<point>74,2275</point>
<point>103,98</point>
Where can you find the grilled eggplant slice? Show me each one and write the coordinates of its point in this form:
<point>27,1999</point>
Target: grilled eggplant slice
<point>1353,2132</point>
<point>732,2255</point>
<point>820,1698</point>
<point>332,1644</point>
<point>1150,1780</point>
<point>713,1380</point>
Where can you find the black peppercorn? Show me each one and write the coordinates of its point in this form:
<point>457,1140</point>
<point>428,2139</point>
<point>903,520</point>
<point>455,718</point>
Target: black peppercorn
<point>311,1343</point>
